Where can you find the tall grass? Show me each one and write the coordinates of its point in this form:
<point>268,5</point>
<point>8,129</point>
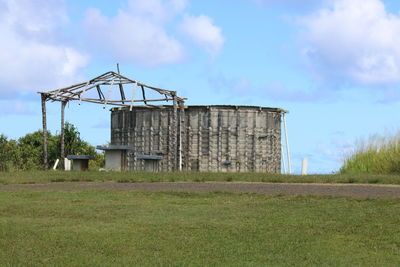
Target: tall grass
<point>377,155</point>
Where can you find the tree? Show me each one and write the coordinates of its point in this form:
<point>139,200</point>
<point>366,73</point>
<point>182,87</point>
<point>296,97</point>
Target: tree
<point>8,153</point>
<point>73,143</point>
<point>31,151</point>
<point>27,152</point>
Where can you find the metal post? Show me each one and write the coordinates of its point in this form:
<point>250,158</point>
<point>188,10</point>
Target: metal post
<point>44,121</point>
<point>287,145</point>
<point>283,159</point>
<point>174,132</point>
<point>62,149</point>
<point>181,127</point>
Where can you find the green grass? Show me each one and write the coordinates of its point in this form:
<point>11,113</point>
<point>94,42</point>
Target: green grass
<point>120,228</point>
<point>32,177</point>
<point>378,155</point>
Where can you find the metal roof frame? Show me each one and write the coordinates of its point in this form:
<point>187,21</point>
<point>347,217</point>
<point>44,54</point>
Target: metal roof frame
<point>110,80</point>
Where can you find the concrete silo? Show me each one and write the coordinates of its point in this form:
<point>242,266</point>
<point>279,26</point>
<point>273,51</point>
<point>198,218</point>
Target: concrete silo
<point>200,138</point>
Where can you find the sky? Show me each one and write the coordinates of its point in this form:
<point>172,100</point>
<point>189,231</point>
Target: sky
<point>333,64</point>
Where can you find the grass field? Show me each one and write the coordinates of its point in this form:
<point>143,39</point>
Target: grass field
<point>102,228</point>
<point>32,177</point>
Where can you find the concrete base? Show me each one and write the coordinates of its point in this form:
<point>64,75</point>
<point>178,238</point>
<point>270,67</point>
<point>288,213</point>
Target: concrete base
<point>115,157</point>
<point>79,162</point>
<point>115,160</point>
<point>67,164</point>
<point>151,162</point>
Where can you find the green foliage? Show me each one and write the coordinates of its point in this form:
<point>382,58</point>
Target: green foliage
<point>31,151</point>
<point>379,155</point>
<point>73,142</point>
<point>9,153</point>
<point>27,152</point>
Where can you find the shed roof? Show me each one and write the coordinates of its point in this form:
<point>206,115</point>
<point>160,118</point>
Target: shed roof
<point>115,147</point>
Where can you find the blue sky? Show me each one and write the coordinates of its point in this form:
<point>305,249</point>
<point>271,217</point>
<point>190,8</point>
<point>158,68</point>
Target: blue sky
<point>334,64</point>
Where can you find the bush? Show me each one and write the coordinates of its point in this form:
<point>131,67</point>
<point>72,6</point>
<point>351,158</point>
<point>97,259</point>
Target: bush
<point>9,153</point>
<point>27,152</point>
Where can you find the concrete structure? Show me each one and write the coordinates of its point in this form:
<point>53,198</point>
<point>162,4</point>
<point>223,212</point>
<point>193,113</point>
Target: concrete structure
<point>115,157</point>
<point>79,162</point>
<point>202,138</point>
<point>67,164</point>
<point>151,163</point>
<point>304,166</point>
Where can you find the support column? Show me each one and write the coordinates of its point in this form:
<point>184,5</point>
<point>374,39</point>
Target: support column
<point>181,133</point>
<point>287,144</point>
<point>62,149</point>
<point>44,121</point>
<point>174,133</point>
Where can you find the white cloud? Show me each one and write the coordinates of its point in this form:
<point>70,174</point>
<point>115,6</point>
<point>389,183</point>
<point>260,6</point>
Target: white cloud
<point>142,33</point>
<point>296,6</point>
<point>156,10</point>
<point>178,5</point>
<point>131,36</point>
<point>355,41</point>
<point>202,31</point>
<point>31,57</point>
<point>295,3</point>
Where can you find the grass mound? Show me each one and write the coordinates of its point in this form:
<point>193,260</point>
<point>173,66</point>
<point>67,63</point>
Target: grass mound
<point>378,155</point>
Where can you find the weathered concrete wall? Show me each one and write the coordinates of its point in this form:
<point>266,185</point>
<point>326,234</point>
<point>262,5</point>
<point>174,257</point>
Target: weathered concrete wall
<point>114,160</point>
<point>213,138</point>
<point>148,130</point>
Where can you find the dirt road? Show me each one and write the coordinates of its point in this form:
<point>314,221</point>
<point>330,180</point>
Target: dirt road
<point>351,190</point>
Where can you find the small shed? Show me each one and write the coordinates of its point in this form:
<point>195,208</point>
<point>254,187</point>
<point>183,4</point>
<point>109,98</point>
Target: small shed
<point>115,157</point>
<point>80,162</point>
<point>151,163</point>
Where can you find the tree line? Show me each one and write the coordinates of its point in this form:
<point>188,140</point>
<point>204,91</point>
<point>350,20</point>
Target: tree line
<point>26,153</point>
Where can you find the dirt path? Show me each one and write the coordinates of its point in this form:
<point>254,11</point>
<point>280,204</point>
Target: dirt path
<point>351,190</point>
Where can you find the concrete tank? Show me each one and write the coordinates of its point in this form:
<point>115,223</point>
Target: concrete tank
<point>201,138</point>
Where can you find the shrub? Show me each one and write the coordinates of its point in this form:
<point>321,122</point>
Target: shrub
<point>27,152</point>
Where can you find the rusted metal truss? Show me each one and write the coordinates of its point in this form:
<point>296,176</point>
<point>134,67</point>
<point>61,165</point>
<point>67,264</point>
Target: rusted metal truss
<point>104,84</point>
